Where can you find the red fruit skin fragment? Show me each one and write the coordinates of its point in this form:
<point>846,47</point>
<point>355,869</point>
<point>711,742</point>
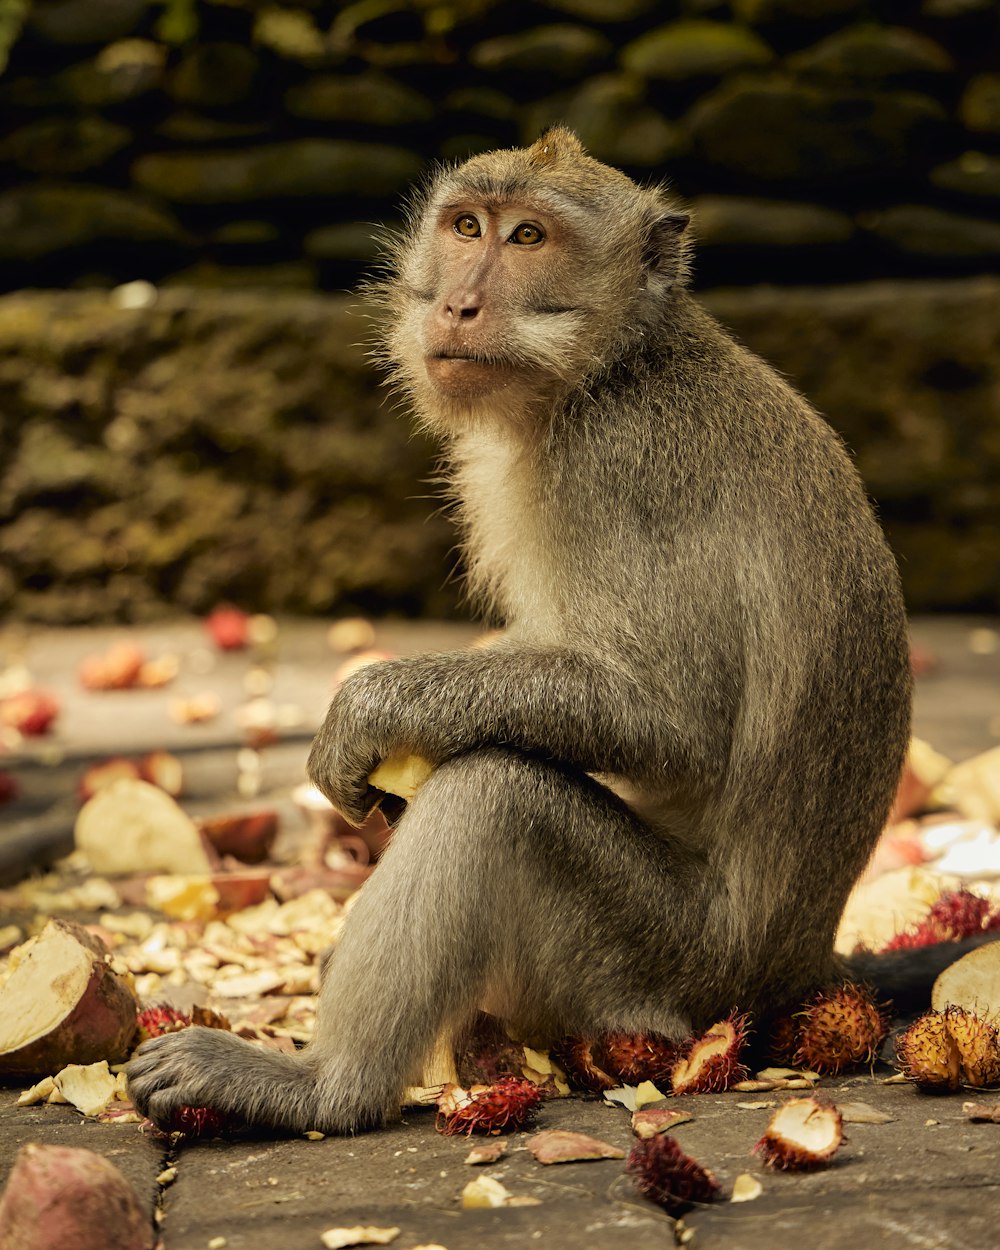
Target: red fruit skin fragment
<point>664,1174</point>
<point>502,1107</point>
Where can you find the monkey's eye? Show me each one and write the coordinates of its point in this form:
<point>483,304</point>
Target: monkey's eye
<point>526,234</point>
<point>467,227</point>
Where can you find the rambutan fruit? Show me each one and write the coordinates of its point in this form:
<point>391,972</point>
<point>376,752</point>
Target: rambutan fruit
<point>485,1053</point>
<point>664,1174</point>
<point>637,1057</point>
<point>712,1062</point>
<point>955,915</point>
<point>927,1054</point>
<point>155,1021</point>
<point>840,1028</point>
<point>783,1040</point>
<point>578,1058</point>
<point>504,1106</point>
<point>942,1049</point>
<point>978,1044</point>
<point>803,1133</point>
<point>196,1122</point>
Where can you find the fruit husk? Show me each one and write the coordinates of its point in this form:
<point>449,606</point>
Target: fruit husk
<point>63,1003</point>
<point>60,1196</point>
<point>804,1133</point>
<point>712,1062</point>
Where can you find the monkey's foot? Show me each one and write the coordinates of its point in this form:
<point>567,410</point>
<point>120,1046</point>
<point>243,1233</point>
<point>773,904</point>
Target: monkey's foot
<point>211,1068</point>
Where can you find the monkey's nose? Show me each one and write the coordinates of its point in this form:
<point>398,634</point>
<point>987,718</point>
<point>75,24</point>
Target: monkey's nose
<point>465,308</point>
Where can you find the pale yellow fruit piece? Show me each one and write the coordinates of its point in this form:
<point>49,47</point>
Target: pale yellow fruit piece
<point>89,1087</point>
<point>132,826</point>
<point>401,774</point>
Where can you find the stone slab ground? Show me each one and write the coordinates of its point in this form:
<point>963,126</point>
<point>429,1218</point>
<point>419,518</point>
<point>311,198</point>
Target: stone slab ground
<point>927,1179</point>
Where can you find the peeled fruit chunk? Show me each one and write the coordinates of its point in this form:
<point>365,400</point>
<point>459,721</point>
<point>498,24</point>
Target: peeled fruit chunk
<point>63,1003</point>
<point>803,1133</point>
<point>132,826</point>
<point>972,982</point>
<point>401,774</point>
<point>62,1196</point>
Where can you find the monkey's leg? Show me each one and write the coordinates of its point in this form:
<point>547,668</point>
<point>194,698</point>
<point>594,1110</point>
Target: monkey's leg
<point>507,878</point>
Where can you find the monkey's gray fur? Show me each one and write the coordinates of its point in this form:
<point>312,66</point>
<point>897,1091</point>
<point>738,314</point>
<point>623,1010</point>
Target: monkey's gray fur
<point>653,796</point>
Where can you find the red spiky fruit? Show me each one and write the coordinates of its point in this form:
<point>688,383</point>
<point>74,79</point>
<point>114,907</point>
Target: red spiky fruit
<point>955,915</point>
<point>637,1057</point>
<point>501,1107</point>
<point>784,1038</point>
<point>228,627</point>
<point>841,1028</point>
<point>927,1054</point>
<point>30,712</point>
<point>804,1133</point>
<point>942,1049</point>
<point>978,1044</point>
<point>155,1021</point>
<point>579,1059</point>
<point>9,788</point>
<point>196,1122</point>
<point>664,1174</point>
<point>712,1062</point>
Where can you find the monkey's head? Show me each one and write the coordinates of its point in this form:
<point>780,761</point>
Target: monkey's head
<point>523,272</point>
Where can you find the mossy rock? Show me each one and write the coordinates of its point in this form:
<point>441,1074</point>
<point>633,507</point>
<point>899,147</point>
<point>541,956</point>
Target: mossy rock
<point>298,169</point>
<point>352,240</point>
<point>64,145</point>
<point>560,50</point>
<point>924,230</point>
<point>214,75</point>
<point>85,21</point>
<point>614,123</point>
<point>603,10</point>
<point>776,131</point>
<point>121,72</point>
<point>38,219</point>
<point>695,48</point>
<point>766,12</point>
<point>973,173</point>
<point>980,104</point>
<point>739,221</point>
<point>370,99</point>
<point>870,53</point>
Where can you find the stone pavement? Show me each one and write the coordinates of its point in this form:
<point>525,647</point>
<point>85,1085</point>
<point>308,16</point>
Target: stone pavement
<point>926,1180</point>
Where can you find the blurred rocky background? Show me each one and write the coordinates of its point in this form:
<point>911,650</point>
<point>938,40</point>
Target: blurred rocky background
<point>189,186</point>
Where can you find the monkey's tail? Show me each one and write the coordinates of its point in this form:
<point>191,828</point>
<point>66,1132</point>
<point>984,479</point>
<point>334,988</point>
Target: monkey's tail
<point>907,976</point>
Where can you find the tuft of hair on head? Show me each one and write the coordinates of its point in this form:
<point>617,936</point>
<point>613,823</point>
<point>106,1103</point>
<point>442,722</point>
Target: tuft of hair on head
<point>555,144</point>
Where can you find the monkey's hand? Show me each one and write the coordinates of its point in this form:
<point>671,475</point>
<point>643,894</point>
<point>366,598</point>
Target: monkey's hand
<point>364,726</point>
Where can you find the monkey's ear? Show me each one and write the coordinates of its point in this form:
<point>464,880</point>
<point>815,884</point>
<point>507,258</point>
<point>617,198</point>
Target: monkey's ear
<point>663,240</point>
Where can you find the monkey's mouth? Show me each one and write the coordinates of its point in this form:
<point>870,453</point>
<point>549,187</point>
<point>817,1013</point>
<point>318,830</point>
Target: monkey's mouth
<point>464,372</point>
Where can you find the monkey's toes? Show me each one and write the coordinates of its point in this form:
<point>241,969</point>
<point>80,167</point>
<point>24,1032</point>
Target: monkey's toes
<point>185,1068</point>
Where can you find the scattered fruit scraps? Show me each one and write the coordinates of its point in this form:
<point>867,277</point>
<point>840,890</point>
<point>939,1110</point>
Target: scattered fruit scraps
<point>804,1133</point>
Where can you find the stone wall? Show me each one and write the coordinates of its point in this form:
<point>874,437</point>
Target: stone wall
<point>239,141</point>
<point>233,445</point>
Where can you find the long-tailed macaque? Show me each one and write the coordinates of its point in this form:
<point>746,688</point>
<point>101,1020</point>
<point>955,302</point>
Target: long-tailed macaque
<point>652,797</point>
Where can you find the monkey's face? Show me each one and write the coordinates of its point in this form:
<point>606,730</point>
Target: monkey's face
<point>522,270</point>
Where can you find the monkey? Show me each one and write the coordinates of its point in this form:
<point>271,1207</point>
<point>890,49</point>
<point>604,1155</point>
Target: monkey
<point>652,795</point>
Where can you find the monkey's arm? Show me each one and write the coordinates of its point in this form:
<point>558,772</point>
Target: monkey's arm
<point>558,703</point>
